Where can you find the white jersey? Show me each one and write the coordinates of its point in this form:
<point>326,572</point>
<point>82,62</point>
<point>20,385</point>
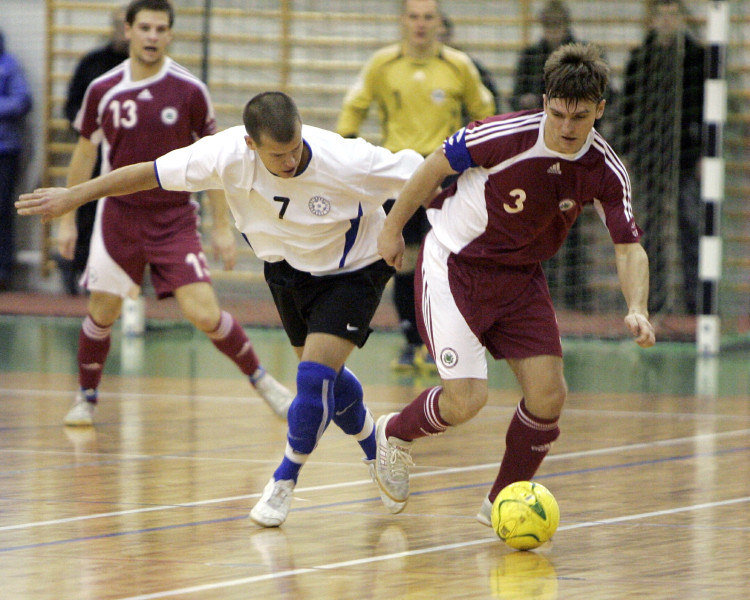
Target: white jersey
<point>324,220</point>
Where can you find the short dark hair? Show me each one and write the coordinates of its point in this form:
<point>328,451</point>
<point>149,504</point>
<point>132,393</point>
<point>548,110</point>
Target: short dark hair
<point>137,6</point>
<point>272,113</point>
<point>576,72</point>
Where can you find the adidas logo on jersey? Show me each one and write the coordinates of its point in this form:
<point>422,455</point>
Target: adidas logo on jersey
<point>555,169</point>
<point>145,95</point>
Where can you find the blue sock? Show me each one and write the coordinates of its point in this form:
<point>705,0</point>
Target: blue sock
<point>309,415</point>
<point>290,465</point>
<point>350,412</point>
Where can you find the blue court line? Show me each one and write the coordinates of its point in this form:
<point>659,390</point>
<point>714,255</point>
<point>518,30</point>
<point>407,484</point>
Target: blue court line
<point>639,463</point>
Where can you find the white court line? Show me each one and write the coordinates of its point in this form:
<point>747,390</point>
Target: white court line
<point>442,548</point>
<point>345,484</point>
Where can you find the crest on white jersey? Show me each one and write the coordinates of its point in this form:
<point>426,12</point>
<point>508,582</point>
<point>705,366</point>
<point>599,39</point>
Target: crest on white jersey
<point>319,206</point>
<point>169,115</point>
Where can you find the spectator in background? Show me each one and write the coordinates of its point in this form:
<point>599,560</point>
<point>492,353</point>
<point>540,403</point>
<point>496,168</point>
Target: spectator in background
<point>74,246</point>
<point>423,89</point>
<point>446,37</point>
<point>566,271</point>
<point>15,103</point>
<point>662,120</point>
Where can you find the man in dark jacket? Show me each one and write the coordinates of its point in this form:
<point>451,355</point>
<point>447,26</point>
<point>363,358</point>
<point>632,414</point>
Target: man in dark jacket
<point>662,110</point>
<point>15,102</point>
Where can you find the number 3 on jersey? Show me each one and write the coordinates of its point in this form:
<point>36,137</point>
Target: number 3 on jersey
<point>520,197</point>
<point>124,114</point>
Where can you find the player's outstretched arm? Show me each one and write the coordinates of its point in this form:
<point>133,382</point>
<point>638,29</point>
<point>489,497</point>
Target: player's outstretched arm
<point>54,202</point>
<point>632,270</point>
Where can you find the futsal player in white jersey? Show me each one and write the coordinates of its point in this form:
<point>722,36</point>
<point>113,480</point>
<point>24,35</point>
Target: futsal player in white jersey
<point>137,111</point>
<point>523,180</point>
<point>309,202</point>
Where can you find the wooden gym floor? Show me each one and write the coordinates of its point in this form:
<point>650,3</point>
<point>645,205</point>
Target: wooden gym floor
<point>651,473</point>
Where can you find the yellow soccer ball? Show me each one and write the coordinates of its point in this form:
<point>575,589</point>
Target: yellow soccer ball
<point>525,514</point>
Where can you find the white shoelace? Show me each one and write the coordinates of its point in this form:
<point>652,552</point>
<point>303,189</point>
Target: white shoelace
<point>400,459</point>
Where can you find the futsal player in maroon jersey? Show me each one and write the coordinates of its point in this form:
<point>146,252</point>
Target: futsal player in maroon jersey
<point>139,110</point>
<point>523,178</point>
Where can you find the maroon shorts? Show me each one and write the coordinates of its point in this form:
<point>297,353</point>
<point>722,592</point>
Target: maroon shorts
<point>166,239</point>
<point>508,308</point>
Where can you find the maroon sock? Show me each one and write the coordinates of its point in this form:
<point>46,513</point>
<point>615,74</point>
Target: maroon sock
<point>418,419</point>
<point>93,348</point>
<point>526,444</point>
<point>231,339</point>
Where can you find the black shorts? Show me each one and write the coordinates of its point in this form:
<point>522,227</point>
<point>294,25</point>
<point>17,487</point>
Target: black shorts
<point>342,305</point>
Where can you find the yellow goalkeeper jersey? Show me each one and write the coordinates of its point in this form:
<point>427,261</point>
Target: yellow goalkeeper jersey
<point>419,101</point>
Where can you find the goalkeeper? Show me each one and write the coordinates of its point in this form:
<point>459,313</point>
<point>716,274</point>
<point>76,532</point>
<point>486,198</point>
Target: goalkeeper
<point>523,178</point>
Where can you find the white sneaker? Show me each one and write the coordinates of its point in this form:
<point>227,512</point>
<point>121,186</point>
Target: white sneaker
<point>484,516</point>
<point>274,394</point>
<point>273,506</point>
<point>392,506</point>
<point>393,462</point>
<point>81,414</point>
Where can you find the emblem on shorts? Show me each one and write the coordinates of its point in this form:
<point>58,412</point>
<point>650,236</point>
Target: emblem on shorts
<point>566,204</point>
<point>438,96</point>
<point>319,206</point>
<point>169,115</point>
<point>448,357</point>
